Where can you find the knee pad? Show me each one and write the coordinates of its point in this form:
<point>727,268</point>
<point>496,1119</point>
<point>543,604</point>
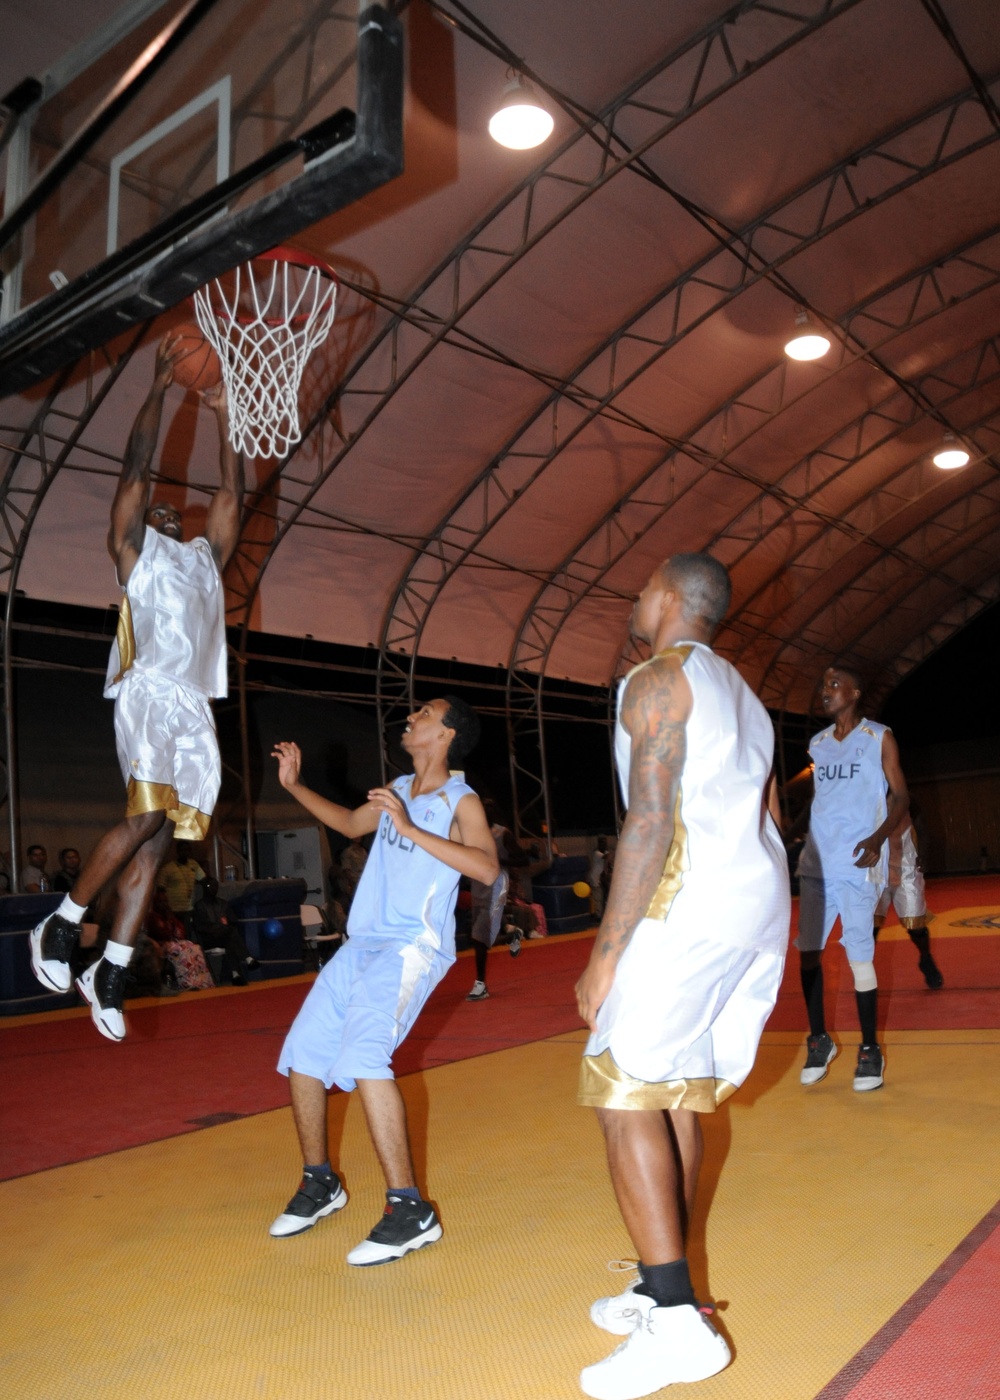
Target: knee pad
<point>864,976</point>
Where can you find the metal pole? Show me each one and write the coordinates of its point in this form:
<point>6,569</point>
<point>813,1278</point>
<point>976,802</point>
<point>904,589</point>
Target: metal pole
<point>10,740</point>
<point>249,832</point>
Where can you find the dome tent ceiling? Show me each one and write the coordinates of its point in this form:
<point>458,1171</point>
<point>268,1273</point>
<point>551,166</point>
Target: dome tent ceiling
<point>552,369</point>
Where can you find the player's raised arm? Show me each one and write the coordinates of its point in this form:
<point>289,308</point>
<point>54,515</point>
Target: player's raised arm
<point>222,527</point>
<point>655,710</point>
<point>358,821</point>
<point>897,805</point>
<point>128,510</point>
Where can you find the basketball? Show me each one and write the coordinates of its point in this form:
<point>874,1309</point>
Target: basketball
<point>198,366</point>
<point>581,889</point>
<point>273,928</point>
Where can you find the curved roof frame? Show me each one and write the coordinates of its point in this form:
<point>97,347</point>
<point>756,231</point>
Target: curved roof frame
<point>970,534</point>
<point>490,496</point>
<point>737,39</point>
<point>545,616</point>
<point>33,453</point>
<point>542,622</point>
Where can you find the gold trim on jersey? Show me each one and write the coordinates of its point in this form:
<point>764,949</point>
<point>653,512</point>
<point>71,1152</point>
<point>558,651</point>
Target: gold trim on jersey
<point>603,1084</point>
<point>916,920</point>
<point>673,870</point>
<point>189,823</point>
<point>125,637</point>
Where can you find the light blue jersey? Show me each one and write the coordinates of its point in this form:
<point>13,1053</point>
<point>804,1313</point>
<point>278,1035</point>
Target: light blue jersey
<point>405,894</point>
<point>849,803</point>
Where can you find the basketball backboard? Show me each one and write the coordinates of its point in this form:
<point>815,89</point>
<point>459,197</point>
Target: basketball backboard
<point>180,140</point>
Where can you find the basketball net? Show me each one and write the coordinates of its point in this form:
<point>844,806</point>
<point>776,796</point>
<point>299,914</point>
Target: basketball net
<point>264,321</point>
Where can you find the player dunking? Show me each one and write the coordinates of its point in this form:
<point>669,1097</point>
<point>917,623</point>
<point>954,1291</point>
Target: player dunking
<point>168,660</point>
<point>431,830</point>
<point>686,965</point>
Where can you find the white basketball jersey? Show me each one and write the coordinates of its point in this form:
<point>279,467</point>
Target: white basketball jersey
<point>849,803</point>
<point>173,617</point>
<point>726,874</point>
<point>404,892</point>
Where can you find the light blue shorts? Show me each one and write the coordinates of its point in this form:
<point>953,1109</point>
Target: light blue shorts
<point>361,1007</point>
<point>820,901</point>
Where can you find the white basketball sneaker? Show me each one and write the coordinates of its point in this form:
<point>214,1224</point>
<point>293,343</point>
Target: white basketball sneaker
<point>620,1313</point>
<point>668,1345</point>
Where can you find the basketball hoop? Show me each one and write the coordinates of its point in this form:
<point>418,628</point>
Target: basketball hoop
<point>264,319</point>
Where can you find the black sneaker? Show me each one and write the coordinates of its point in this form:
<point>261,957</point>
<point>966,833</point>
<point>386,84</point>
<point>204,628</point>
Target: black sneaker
<point>103,985</point>
<point>931,971</point>
<point>53,943</point>
<point>317,1196</point>
<point>820,1050</point>
<point>515,940</point>
<point>406,1224</point>
<point>868,1074</point>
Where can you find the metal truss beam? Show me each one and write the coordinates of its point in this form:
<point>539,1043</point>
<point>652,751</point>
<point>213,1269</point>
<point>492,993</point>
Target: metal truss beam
<point>756,252</point>
<point>32,466</point>
<point>852,187</point>
<point>927,294</point>
<point>724,54</point>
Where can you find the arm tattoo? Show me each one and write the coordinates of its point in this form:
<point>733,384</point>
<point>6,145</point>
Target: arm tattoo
<point>655,710</point>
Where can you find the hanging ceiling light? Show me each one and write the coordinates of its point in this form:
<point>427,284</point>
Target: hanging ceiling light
<point>806,343</point>
<point>520,122</point>
<point>951,454</point>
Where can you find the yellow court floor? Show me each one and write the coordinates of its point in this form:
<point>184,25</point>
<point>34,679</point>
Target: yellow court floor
<point>150,1273</point>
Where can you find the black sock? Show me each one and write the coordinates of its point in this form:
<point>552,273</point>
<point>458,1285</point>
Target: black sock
<point>668,1284</point>
<point>922,939</point>
<point>812,990</point>
<point>480,950</point>
<point>324,1169</point>
<point>867,1004</point>
<point>876,931</point>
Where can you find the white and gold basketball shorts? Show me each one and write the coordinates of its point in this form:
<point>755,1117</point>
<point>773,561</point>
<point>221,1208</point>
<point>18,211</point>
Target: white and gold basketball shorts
<point>168,751</point>
<point>905,890</point>
<point>681,1026</point>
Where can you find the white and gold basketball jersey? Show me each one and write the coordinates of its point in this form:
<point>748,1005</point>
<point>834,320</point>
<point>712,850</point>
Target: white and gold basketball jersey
<point>173,617</point>
<point>726,873</point>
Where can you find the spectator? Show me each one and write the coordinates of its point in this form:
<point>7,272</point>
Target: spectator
<point>33,877</point>
<point>179,877</point>
<point>4,873</point>
<point>69,869</point>
<point>215,927</point>
<point>166,928</point>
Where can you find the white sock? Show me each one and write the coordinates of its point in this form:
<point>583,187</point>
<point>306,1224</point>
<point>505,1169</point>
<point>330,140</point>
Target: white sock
<point>118,953</point>
<point>73,912</point>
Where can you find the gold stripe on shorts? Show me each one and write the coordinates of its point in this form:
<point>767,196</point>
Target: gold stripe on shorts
<point>190,824</point>
<point>604,1085</point>
<point>149,797</point>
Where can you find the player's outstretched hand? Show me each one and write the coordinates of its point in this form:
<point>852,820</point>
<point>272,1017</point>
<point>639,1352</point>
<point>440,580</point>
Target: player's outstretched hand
<point>289,758</point>
<point>867,853</point>
<point>388,800</point>
<point>168,352</point>
<point>216,398</point>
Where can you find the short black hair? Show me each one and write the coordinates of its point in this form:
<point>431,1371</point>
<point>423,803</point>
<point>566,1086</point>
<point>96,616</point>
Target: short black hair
<point>36,847</point>
<point>66,850</point>
<point>704,585</point>
<point>465,722</point>
<point>848,668</point>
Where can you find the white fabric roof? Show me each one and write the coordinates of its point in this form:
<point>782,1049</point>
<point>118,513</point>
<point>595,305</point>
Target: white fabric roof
<point>552,369</point>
